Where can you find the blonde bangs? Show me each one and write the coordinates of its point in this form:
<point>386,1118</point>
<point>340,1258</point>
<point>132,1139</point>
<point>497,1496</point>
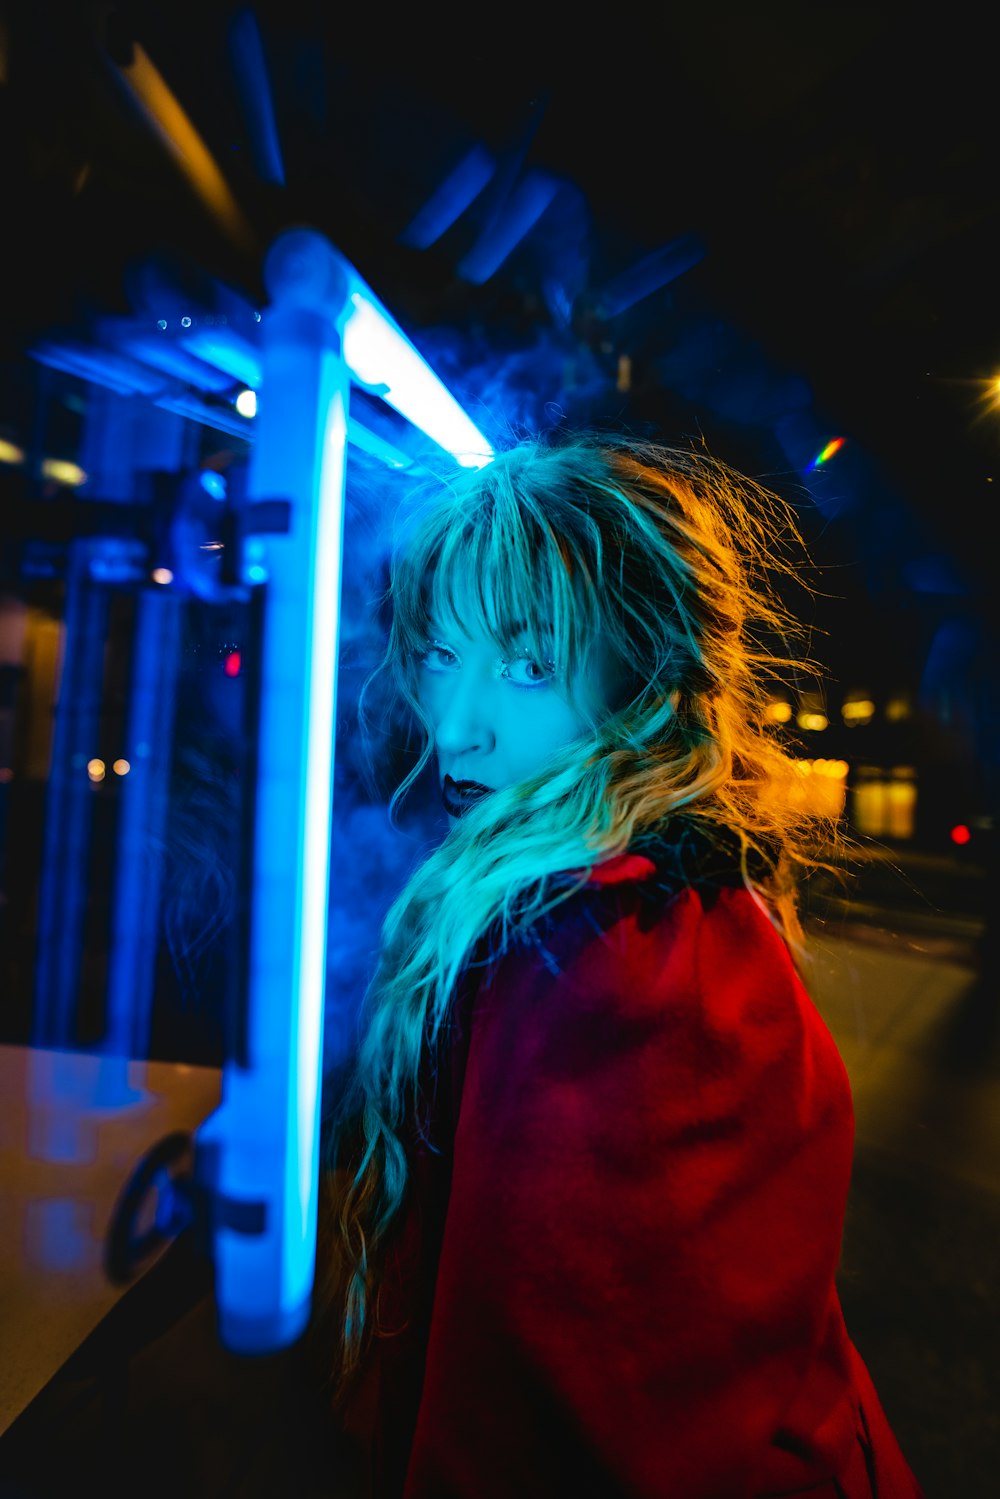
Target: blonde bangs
<point>492,562</point>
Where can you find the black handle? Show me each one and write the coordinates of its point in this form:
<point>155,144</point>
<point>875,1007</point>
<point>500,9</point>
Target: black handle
<point>167,1169</point>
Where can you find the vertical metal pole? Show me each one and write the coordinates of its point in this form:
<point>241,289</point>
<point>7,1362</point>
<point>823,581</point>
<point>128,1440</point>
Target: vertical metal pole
<point>69,805</point>
<point>265,1136</point>
<point>143,796</point>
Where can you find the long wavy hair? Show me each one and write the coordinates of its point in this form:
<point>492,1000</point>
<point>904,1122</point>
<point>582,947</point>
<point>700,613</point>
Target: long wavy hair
<point>675,562</point>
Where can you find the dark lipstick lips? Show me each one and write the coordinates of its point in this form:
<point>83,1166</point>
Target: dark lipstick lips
<point>459,796</point>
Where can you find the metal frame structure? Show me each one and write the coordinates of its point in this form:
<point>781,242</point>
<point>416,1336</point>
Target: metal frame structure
<point>255,1161</point>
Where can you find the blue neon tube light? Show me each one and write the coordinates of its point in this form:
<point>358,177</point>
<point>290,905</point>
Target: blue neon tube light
<point>322,326</point>
<point>380,355</point>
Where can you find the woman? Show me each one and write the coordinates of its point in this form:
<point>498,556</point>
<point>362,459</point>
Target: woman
<point>589,1172</point>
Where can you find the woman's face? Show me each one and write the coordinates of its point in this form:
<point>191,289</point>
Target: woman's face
<point>497,718</point>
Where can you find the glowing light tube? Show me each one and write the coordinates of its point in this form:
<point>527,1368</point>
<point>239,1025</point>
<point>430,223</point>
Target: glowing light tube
<point>450,200</point>
<point>379,355</point>
<point>246,50</point>
<point>168,119</point>
<point>267,1129</point>
<point>382,357</point>
<point>259,1152</point>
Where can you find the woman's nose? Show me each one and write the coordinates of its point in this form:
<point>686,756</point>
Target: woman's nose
<point>463,723</point>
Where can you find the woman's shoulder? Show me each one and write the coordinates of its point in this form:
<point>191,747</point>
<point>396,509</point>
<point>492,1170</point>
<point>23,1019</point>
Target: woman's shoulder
<point>679,885</point>
<point>685,853</point>
<point>674,905</point>
<point>653,947</point>
<point>621,868</point>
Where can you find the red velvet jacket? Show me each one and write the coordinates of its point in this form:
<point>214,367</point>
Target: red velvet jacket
<point>616,1274</point>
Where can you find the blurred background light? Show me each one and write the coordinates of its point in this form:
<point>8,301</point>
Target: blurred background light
<point>884,801</point>
<point>63,472</point>
<point>820,787</point>
<point>856,711</point>
<point>212,483</point>
<point>826,453</point>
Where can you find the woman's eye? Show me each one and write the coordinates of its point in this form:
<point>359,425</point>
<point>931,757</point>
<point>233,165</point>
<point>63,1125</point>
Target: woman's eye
<point>435,650</point>
<point>529,673</point>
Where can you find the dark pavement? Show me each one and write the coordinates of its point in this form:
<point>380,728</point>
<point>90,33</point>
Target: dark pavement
<point>905,994</point>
